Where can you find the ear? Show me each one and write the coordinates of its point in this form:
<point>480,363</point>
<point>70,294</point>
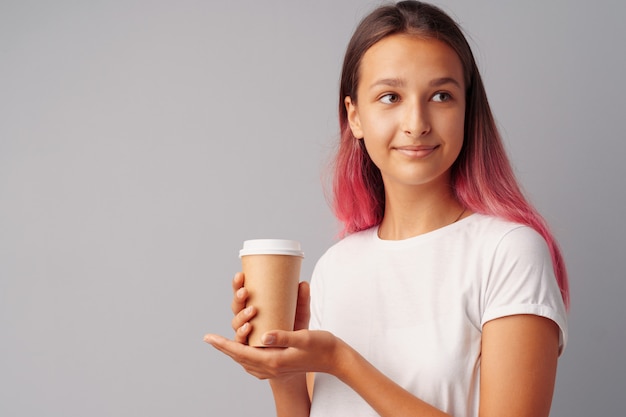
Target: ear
<point>353,118</point>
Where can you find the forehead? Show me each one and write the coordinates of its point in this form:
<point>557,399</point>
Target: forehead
<point>410,58</point>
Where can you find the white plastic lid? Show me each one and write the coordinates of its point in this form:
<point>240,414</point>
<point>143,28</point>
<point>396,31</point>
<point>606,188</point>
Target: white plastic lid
<point>271,247</point>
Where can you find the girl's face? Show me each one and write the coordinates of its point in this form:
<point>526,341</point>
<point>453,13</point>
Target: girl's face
<point>411,109</point>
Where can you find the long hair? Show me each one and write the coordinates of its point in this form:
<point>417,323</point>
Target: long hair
<point>481,177</point>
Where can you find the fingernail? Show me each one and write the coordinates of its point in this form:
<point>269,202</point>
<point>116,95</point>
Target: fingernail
<point>269,339</point>
<point>245,326</point>
<point>240,293</point>
<point>248,311</point>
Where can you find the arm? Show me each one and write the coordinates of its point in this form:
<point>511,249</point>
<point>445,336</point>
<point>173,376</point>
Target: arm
<point>291,398</point>
<point>383,395</point>
<point>292,394</point>
<point>518,367</point>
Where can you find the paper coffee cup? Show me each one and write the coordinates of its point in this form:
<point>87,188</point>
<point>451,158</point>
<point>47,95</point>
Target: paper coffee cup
<point>272,273</point>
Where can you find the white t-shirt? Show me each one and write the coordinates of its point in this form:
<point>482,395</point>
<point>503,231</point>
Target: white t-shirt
<point>415,308</point>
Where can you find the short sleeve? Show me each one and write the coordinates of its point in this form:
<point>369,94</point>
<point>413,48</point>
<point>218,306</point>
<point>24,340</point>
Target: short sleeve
<point>521,281</point>
<point>316,296</point>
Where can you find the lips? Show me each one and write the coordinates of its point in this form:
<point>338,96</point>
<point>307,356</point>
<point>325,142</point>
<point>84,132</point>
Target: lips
<point>416,151</point>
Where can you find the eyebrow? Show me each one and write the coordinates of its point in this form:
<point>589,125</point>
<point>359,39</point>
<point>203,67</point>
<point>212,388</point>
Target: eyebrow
<point>398,82</point>
<point>389,82</point>
<point>444,80</point>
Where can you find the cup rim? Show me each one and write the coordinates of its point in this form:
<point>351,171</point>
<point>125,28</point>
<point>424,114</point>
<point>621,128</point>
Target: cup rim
<point>271,247</point>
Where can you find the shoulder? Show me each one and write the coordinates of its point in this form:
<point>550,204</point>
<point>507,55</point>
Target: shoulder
<point>503,247</point>
<point>491,225</point>
<point>352,244</point>
<point>518,241</point>
<point>502,235</point>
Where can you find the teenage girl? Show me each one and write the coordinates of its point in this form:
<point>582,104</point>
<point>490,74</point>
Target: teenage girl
<point>448,294</point>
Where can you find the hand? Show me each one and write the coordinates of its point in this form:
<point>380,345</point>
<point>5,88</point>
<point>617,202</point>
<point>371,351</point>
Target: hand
<point>287,355</point>
<point>241,321</point>
<point>280,359</point>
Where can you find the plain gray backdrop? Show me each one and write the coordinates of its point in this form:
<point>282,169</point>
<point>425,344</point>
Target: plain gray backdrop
<point>142,141</point>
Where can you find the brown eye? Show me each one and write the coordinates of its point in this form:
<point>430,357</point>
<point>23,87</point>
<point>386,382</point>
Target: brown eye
<point>390,98</point>
<point>441,97</point>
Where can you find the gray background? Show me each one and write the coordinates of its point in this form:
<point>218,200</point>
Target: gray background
<point>142,141</point>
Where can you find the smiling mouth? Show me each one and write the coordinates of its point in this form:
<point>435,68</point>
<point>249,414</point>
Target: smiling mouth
<point>416,151</point>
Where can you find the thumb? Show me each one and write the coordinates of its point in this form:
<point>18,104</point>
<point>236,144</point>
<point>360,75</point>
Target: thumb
<point>281,338</point>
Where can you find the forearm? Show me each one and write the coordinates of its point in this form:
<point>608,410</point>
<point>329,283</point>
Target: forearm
<point>291,397</point>
<point>381,393</point>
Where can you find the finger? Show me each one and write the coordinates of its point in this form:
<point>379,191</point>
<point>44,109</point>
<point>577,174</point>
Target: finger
<point>304,292</point>
<point>238,281</point>
<point>240,294</point>
<point>250,358</point>
<point>303,309</point>
<point>242,333</point>
<point>243,317</point>
<point>212,339</point>
<point>282,338</point>
<point>224,345</point>
<point>215,340</point>
<point>246,356</point>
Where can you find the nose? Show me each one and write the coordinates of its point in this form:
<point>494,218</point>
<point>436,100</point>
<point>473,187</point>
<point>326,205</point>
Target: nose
<point>416,120</point>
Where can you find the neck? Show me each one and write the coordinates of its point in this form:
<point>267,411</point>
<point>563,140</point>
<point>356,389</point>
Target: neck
<point>414,211</point>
